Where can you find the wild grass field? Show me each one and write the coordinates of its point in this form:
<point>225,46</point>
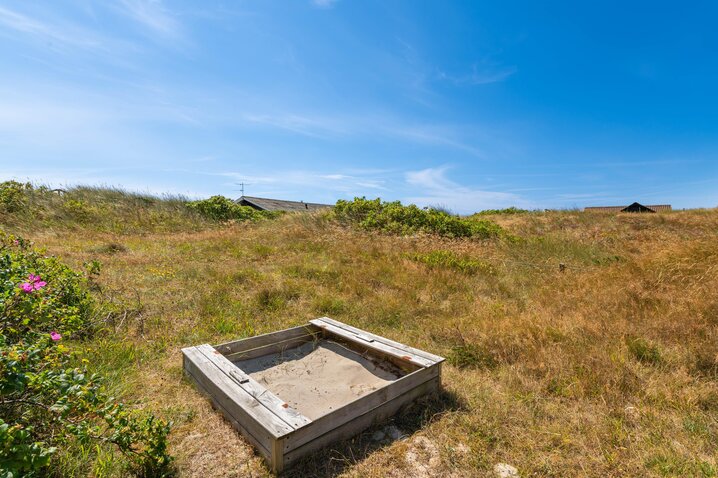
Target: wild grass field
<point>605,366</point>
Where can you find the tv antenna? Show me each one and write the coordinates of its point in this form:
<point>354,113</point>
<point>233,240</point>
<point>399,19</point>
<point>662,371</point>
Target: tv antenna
<point>241,186</point>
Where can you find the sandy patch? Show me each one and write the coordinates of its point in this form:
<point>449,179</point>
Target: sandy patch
<point>319,377</point>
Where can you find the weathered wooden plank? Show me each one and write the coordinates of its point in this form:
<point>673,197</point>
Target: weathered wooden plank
<point>259,445</point>
<point>374,344</point>
<point>270,401</point>
<point>265,339</point>
<point>406,348</point>
<point>255,417</point>
<point>359,348</point>
<point>361,422</point>
<point>281,433</point>
<point>273,348</point>
<point>277,462</point>
<point>359,406</point>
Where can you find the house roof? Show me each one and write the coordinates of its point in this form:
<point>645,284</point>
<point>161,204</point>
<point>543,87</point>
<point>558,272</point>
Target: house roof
<point>635,206</point>
<point>267,204</point>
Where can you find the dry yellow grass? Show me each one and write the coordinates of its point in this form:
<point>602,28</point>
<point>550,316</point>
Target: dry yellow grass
<point>609,368</point>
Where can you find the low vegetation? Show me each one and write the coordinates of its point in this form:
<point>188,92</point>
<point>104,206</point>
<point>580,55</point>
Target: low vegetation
<point>220,208</point>
<point>444,259</point>
<point>605,366</point>
<point>50,401</point>
<point>395,218</point>
<point>24,206</point>
<point>505,211</point>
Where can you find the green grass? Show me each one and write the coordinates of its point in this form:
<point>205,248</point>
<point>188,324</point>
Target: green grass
<point>470,356</point>
<point>644,351</point>
<point>606,368</point>
<point>107,210</point>
<point>449,260</point>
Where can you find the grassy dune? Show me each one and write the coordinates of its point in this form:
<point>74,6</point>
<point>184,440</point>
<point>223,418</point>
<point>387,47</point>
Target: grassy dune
<point>605,367</point>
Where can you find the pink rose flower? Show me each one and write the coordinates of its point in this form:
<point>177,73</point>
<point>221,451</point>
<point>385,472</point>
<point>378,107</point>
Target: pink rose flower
<point>54,335</point>
<point>34,283</point>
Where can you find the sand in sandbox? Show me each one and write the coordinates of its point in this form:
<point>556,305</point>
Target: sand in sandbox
<point>319,377</point>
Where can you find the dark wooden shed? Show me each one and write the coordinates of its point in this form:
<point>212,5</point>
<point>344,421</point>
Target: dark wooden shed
<point>637,207</point>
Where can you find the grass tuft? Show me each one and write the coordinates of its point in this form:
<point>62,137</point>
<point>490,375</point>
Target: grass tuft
<point>471,356</point>
<point>644,351</point>
<point>450,260</point>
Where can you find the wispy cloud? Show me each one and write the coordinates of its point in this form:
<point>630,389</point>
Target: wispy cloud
<point>324,3</point>
<point>479,75</point>
<point>368,126</point>
<point>54,32</point>
<point>307,125</point>
<point>424,134</point>
<point>294,183</point>
<point>440,190</point>
<point>153,15</point>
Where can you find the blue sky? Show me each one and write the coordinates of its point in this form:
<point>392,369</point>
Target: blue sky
<point>466,104</point>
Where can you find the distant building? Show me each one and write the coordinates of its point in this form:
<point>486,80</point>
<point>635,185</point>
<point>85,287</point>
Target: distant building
<point>635,207</point>
<point>265,204</point>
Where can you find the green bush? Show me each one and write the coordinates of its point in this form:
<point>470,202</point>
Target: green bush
<point>220,208</point>
<point>48,397</point>
<point>40,294</point>
<point>395,218</point>
<point>13,195</point>
<point>508,210</point>
<point>451,260</point>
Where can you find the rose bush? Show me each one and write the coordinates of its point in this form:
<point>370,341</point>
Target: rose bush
<point>48,397</point>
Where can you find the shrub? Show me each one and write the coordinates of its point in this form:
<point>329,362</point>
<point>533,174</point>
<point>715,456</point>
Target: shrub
<point>220,208</point>
<point>508,210</point>
<point>40,293</point>
<point>48,397</point>
<point>451,260</point>
<point>13,195</point>
<point>79,210</point>
<point>395,218</point>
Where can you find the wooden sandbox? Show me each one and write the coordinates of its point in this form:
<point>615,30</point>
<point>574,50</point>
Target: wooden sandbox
<point>298,390</point>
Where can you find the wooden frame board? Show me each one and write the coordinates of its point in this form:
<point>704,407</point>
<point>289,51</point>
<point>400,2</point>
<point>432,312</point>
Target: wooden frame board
<point>280,433</point>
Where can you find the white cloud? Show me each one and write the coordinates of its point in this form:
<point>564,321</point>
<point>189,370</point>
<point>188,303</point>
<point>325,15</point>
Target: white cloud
<point>306,125</point>
<point>374,125</point>
<point>55,32</point>
<point>294,183</point>
<point>433,179</point>
<point>440,190</point>
<point>153,15</point>
<point>324,3</point>
<point>372,185</point>
<point>480,76</point>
